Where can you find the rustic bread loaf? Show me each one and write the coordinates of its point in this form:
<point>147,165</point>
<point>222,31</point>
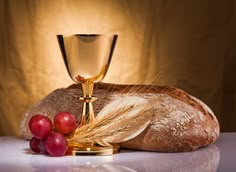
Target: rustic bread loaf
<point>180,121</point>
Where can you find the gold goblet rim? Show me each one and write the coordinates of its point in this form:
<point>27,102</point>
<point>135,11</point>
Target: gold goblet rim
<point>86,34</point>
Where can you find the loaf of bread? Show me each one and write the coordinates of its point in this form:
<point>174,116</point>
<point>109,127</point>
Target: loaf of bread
<point>180,121</point>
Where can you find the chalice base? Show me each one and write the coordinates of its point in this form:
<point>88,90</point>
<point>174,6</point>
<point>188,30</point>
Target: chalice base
<point>93,150</point>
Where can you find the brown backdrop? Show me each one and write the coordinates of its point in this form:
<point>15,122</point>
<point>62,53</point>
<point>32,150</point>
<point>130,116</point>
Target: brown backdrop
<point>187,44</point>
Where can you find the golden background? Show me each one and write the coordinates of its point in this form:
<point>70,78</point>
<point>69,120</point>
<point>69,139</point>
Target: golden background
<point>187,44</point>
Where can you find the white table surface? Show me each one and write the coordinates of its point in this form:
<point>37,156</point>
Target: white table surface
<point>15,156</point>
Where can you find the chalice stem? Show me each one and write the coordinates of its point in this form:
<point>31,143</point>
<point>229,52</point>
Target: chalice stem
<point>87,112</point>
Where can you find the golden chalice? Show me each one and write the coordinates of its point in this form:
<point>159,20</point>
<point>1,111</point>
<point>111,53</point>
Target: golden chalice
<point>87,58</point>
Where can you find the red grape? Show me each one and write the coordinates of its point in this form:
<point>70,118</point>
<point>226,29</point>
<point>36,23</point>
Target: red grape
<point>65,122</point>
<point>37,145</point>
<point>40,126</point>
<point>56,144</point>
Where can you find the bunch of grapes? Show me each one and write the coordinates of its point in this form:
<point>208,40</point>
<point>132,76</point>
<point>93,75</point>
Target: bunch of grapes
<point>50,137</point>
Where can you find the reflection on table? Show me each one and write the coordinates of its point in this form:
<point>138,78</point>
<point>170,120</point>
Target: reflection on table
<point>16,156</point>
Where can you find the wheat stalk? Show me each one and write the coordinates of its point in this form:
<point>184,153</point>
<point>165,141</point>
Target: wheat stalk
<point>114,125</point>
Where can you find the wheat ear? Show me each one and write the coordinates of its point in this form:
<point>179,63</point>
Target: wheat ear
<point>115,123</point>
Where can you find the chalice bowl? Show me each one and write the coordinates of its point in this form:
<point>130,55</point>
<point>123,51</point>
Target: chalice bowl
<point>87,58</point>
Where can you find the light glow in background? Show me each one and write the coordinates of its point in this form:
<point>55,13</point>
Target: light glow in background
<point>189,45</point>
